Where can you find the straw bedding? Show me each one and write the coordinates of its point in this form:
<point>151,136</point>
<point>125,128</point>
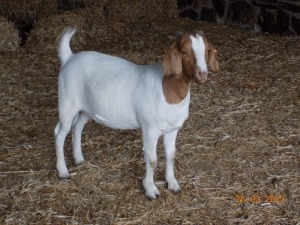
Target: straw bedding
<point>9,41</point>
<point>238,153</point>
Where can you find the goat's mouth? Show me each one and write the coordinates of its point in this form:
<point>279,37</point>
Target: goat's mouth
<point>200,77</point>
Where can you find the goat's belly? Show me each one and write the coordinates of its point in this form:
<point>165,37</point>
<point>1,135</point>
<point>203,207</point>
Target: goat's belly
<point>116,124</point>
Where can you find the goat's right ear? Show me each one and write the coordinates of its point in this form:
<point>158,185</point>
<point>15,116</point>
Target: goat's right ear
<point>211,56</point>
<point>172,65</point>
<point>213,59</point>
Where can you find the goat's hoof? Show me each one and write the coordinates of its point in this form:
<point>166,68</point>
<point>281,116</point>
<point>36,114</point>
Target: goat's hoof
<point>151,191</point>
<point>152,196</point>
<point>176,191</point>
<point>79,162</point>
<point>63,174</point>
<point>174,187</point>
<point>78,159</point>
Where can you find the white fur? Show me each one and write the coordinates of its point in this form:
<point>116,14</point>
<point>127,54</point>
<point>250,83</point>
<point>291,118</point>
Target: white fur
<point>118,94</point>
<point>198,43</point>
<point>65,51</point>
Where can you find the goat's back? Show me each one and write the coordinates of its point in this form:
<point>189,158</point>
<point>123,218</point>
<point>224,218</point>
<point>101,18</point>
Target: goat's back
<point>109,89</point>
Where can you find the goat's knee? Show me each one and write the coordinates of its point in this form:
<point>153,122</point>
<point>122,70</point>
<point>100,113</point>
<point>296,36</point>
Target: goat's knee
<point>153,164</point>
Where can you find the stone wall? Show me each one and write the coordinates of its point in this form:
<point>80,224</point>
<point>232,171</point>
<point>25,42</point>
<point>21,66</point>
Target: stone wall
<point>270,16</point>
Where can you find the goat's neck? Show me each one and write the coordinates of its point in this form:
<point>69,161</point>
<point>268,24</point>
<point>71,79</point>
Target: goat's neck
<point>175,88</point>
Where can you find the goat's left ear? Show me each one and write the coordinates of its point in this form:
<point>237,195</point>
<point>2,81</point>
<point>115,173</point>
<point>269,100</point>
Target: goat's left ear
<point>172,65</point>
<point>211,57</point>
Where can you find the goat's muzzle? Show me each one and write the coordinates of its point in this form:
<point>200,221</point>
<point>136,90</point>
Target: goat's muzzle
<point>200,77</point>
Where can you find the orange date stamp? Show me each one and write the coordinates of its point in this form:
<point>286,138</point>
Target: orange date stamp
<point>256,198</point>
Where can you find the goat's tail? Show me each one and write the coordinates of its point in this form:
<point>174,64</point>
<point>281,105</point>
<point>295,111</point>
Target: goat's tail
<point>64,49</point>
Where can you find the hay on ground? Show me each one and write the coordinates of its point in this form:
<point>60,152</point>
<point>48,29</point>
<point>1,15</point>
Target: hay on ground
<point>9,38</point>
<point>237,155</point>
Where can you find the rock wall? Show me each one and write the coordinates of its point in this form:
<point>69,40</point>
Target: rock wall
<point>270,16</point>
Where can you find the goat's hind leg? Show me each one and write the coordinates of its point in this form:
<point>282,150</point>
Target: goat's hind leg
<point>78,124</point>
<point>61,131</point>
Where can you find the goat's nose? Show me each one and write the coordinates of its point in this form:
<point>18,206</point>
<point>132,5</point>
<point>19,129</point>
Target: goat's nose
<point>200,77</point>
<point>203,75</point>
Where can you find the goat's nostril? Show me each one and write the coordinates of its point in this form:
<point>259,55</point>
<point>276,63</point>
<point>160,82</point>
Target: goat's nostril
<point>200,77</point>
<point>203,75</point>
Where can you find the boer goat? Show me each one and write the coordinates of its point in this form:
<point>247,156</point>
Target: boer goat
<point>120,94</point>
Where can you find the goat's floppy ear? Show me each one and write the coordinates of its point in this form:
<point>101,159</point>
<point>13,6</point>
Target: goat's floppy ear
<point>211,56</point>
<point>172,65</point>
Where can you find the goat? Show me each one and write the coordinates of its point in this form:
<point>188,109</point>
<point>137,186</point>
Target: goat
<point>122,95</point>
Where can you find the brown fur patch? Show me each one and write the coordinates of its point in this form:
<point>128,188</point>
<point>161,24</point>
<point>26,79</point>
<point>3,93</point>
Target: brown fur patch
<point>179,69</point>
<point>172,61</point>
<point>179,66</point>
<point>175,88</point>
<point>211,56</point>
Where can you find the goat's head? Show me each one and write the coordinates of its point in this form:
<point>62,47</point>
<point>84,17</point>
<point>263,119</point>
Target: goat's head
<point>188,56</point>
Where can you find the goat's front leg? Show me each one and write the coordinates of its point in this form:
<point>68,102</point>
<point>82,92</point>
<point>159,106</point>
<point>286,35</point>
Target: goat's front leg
<point>150,138</point>
<point>170,149</point>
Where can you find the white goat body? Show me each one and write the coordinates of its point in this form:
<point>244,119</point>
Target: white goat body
<point>122,95</point>
<point>118,93</point>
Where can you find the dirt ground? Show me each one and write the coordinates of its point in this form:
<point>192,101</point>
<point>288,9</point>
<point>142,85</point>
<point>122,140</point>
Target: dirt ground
<point>237,155</point>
